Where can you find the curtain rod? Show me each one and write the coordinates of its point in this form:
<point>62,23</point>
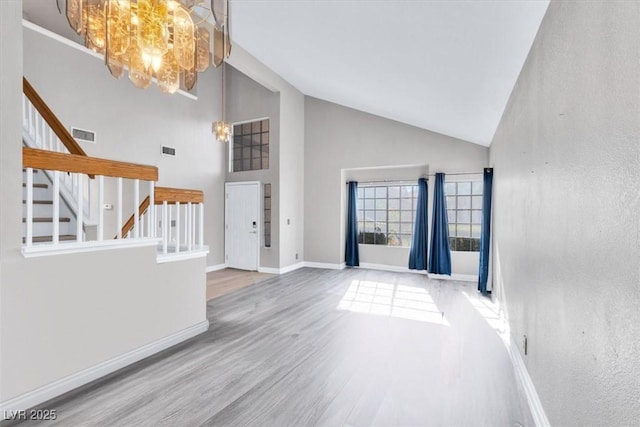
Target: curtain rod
<point>391,181</point>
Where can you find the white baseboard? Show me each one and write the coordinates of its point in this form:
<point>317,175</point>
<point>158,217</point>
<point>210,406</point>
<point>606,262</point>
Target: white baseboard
<point>211,268</point>
<point>535,406</point>
<point>283,270</point>
<point>324,265</point>
<point>64,385</point>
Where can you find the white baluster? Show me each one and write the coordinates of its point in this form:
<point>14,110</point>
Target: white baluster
<point>100,208</point>
<point>151,210</point>
<point>56,207</point>
<point>190,226</point>
<point>80,213</point>
<point>201,225</point>
<point>170,235</point>
<point>136,205</point>
<point>165,228</point>
<point>177,227</point>
<point>193,226</point>
<point>29,219</point>
<point>186,224</point>
<point>119,215</point>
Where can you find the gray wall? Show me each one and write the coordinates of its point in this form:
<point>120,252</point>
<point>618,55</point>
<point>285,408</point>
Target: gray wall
<point>248,100</point>
<point>566,224</point>
<point>132,124</point>
<point>339,143</point>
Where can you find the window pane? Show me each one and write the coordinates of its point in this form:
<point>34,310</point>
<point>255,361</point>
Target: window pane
<point>360,204</point>
<point>406,227</point>
<point>463,245</point>
<point>464,230</point>
<point>393,240</point>
<point>406,216</point>
<point>452,230</point>
<point>394,204</point>
<point>464,188</point>
<point>381,227</point>
<point>255,139</point>
<point>394,215</point>
<point>237,129</point>
<point>246,164</point>
<point>255,164</point>
<point>246,128</point>
<point>369,227</point>
<point>265,162</point>
<point>265,138</point>
<point>381,216</point>
<point>369,215</point>
<point>405,204</point>
<point>451,202</point>
<point>464,217</point>
<point>265,125</point>
<point>452,243</point>
<point>451,216</point>
<point>369,192</point>
<point>381,204</point>
<point>475,231</point>
<point>237,165</point>
<point>267,190</point>
<point>475,245</point>
<point>381,192</point>
<point>394,192</point>
<point>368,237</point>
<point>464,202</point>
<point>369,203</point>
<point>476,217</point>
<point>476,202</point>
<point>406,191</point>
<point>394,227</point>
<point>477,187</point>
<point>246,153</point>
<point>450,188</point>
<point>360,237</point>
<point>405,240</point>
<point>380,239</point>
<point>255,128</point>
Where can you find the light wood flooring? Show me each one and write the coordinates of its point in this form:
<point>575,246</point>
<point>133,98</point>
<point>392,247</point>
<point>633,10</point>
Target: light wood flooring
<point>321,347</point>
<point>229,280</point>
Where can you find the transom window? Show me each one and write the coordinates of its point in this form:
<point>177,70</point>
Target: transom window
<point>386,214</point>
<point>464,209</point>
<point>250,146</point>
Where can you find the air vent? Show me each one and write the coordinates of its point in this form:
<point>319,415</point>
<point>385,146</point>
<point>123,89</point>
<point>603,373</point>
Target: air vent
<point>168,151</point>
<point>83,135</point>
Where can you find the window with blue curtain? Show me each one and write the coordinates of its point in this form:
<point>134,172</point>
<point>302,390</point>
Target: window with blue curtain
<point>419,240</point>
<point>440,253</point>
<point>352,254</point>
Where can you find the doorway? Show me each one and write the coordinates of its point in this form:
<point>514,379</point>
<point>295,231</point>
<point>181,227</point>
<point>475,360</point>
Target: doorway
<point>242,225</point>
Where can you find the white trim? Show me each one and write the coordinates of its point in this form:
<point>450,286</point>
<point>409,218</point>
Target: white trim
<point>218,267</point>
<point>64,385</point>
<point>57,37</point>
<point>325,265</point>
<point>458,277</point>
<point>283,270</point>
<point>181,256</point>
<point>535,406</point>
<point>46,249</point>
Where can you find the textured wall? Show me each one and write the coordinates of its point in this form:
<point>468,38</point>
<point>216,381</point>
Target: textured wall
<point>566,224</point>
<point>339,142</point>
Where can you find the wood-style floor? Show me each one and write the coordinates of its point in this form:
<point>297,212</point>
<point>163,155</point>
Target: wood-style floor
<point>225,281</point>
<point>321,347</point>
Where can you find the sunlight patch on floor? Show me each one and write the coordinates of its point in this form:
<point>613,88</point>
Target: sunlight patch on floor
<point>386,299</point>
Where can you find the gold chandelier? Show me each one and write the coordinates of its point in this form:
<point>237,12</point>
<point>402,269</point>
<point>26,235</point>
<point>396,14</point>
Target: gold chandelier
<point>168,40</point>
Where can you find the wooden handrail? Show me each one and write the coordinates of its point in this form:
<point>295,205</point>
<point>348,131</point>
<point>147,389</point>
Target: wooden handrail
<point>161,195</point>
<point>175,195</point>
<point>58,128</point>
<point>50,160</point>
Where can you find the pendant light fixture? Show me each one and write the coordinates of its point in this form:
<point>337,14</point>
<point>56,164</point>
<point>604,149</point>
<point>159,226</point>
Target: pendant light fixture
<point>221,128</point>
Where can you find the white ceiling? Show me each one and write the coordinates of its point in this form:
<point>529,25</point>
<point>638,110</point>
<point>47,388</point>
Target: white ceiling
<point>446,66</point>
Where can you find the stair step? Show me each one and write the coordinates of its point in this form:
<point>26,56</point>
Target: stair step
<point>40,202</point>
<point>37,185</point>
<point>45,219</point>
<point>45,239</point>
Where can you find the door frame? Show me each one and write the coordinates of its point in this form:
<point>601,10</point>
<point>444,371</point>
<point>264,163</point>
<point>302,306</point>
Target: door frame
<point>226,215</point>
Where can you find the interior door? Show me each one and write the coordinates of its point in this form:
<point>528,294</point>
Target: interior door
<point>242,225</point>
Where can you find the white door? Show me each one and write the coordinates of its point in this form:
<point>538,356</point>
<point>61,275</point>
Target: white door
<point>242,225</point>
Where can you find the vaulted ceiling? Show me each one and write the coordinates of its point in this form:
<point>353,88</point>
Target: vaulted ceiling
<point>444,65</point>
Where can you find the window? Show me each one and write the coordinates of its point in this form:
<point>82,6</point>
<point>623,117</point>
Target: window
<point>250,146</point>
<point>386,214</point>
<point>464,209</point>
<point>267,215</point>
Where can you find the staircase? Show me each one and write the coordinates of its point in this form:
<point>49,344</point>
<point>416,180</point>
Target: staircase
<point>43,211</point>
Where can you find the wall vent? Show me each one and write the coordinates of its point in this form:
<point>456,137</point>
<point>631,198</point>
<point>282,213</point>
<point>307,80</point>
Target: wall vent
<point>83,135</point>
<point>168,151</point>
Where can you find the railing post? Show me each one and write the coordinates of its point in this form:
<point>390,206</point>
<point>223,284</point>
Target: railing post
<point>100,208</point>
<point>201,225</point>
<point>177,227</point>
<point>136,208</point>
<point>80,213</point>
<point>119,215</point>
<point>29,219</point>
<point>165,236</point>
<point>56,208</point>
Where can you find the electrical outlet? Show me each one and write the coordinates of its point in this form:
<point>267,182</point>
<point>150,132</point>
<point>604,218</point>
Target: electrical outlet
<point>288,221</point>
<point>108,206</point>
<point>525,345</point>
